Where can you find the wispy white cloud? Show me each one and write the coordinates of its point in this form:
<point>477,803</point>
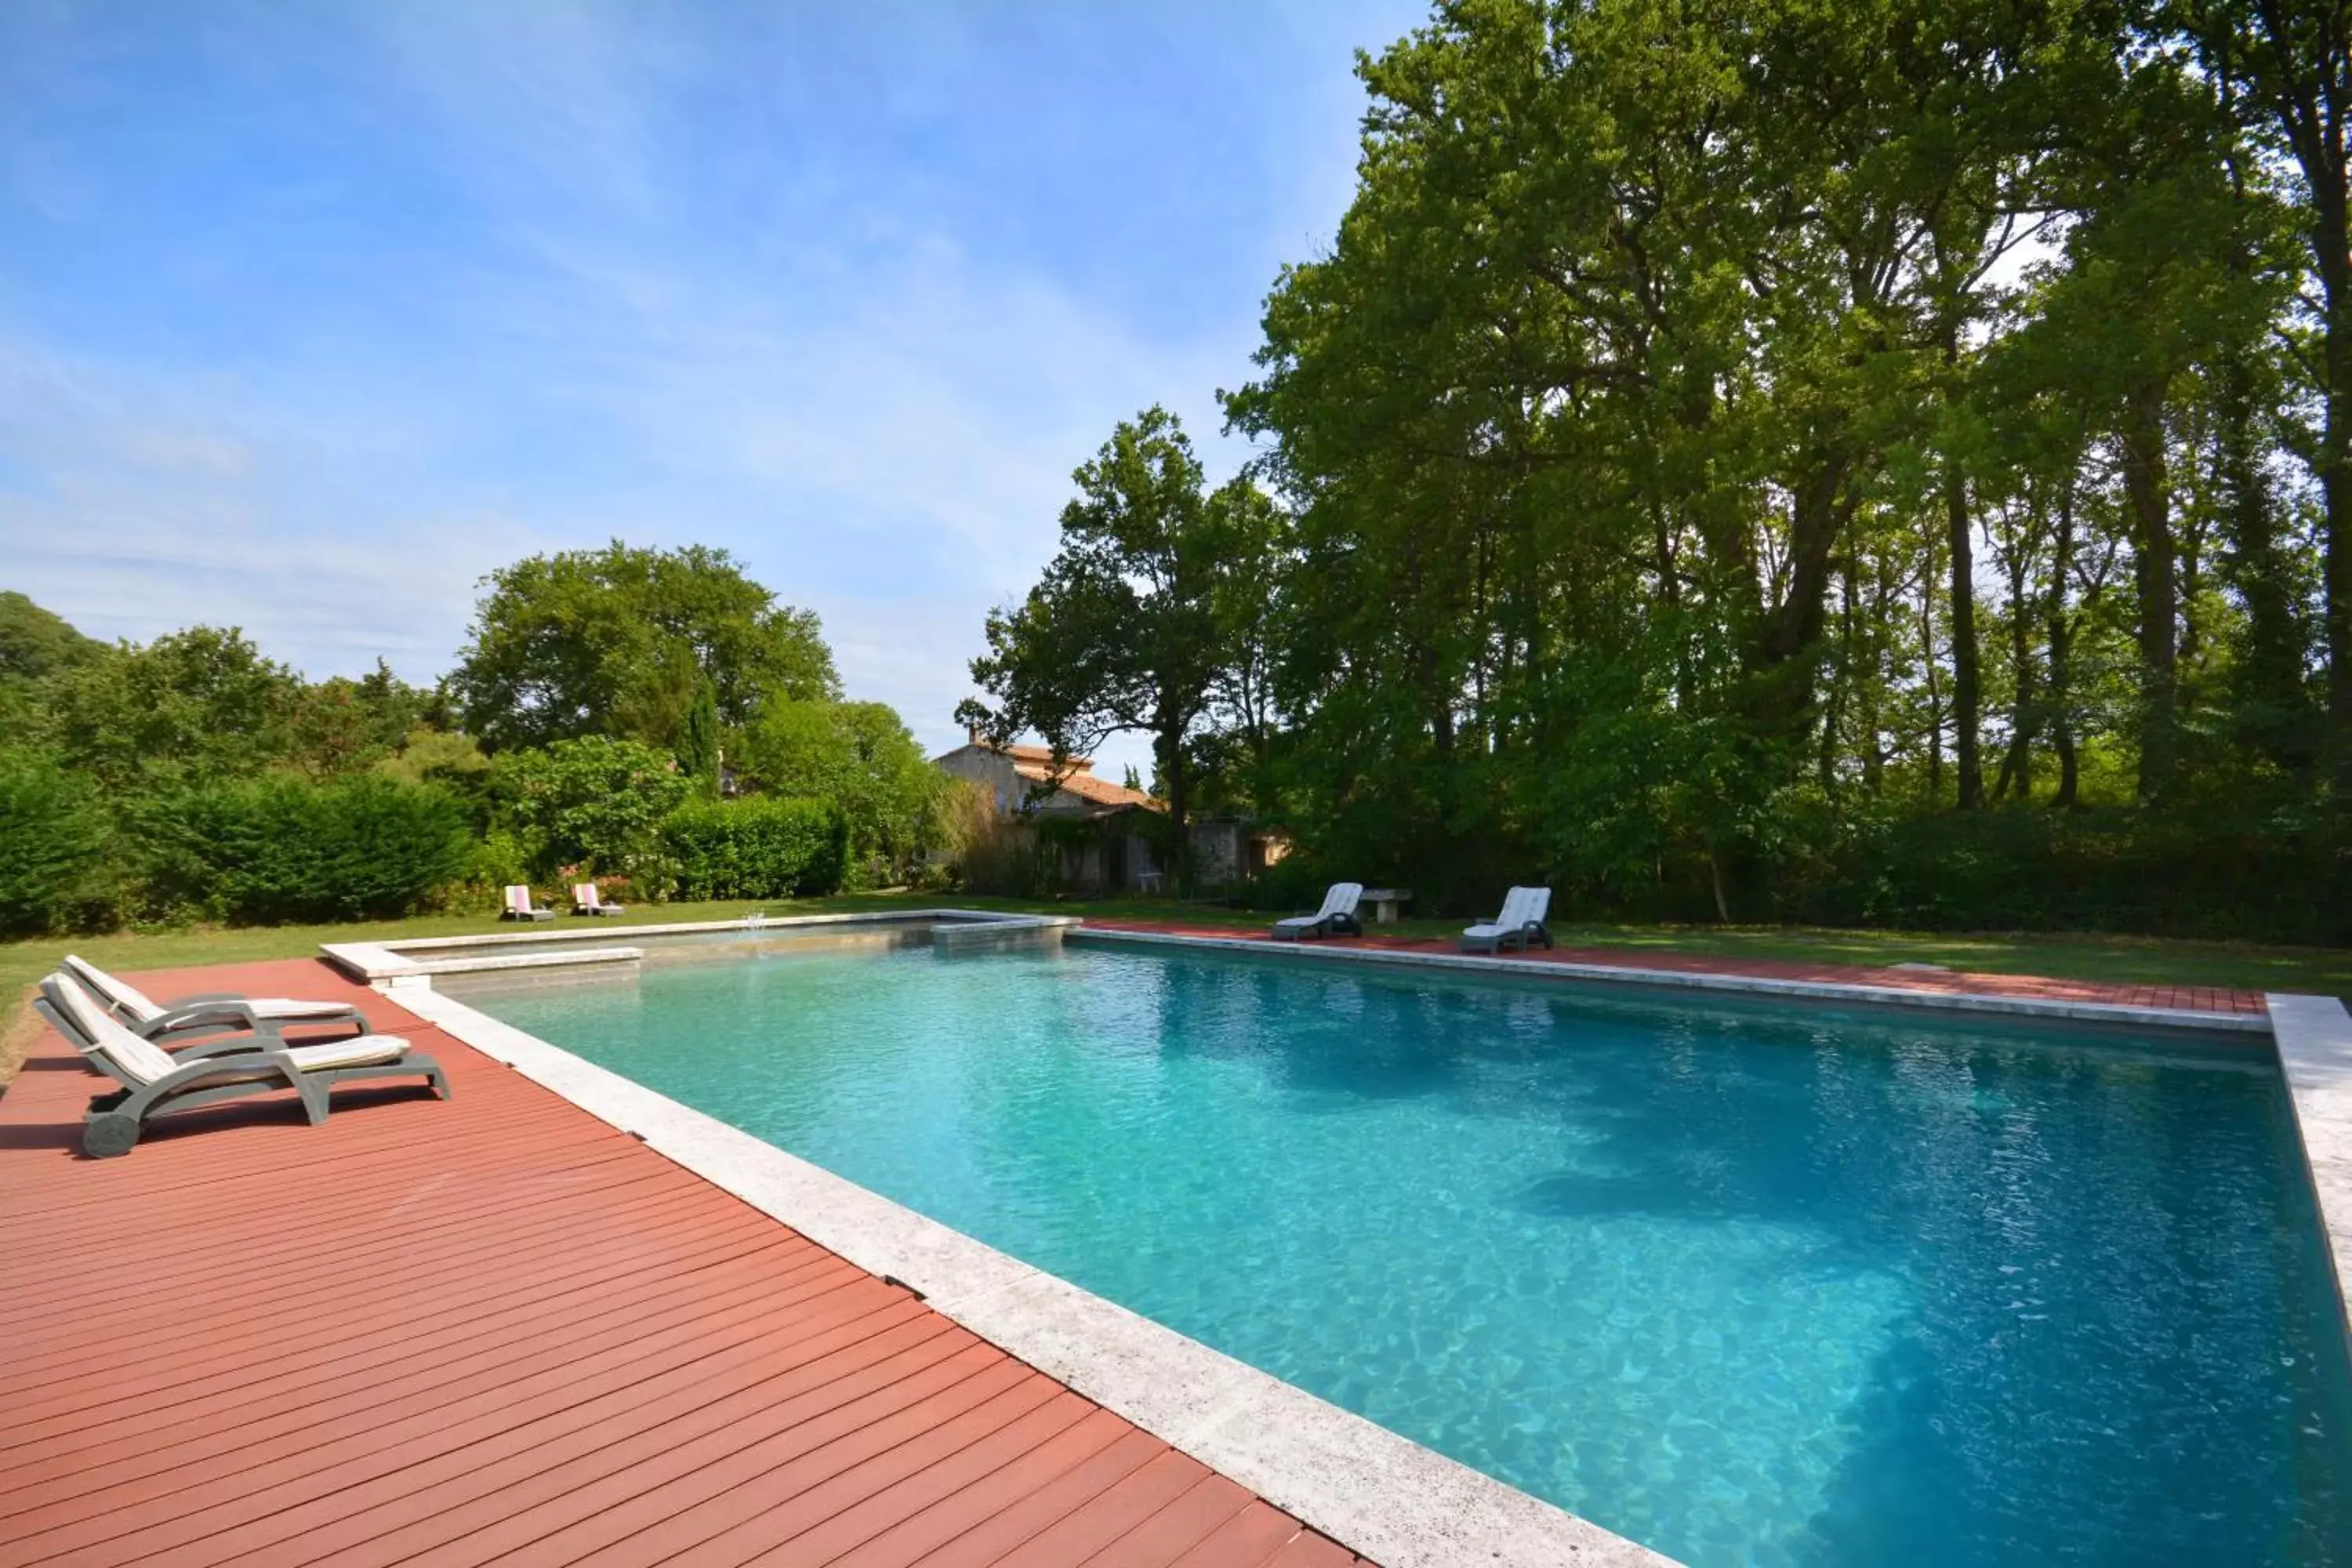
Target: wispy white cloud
<point>432,287</point>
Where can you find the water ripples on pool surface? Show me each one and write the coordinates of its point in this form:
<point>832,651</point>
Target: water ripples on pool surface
<point>1750,1287</point>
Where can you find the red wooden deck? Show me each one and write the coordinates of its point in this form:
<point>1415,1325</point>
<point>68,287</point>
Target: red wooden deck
<point>496,1329</point>
<point>2191,999</point>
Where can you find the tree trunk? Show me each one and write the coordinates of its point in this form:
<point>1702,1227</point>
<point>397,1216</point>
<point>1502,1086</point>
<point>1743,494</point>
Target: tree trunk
<point>2017,764</point>
<point>2336,463</point>
<point>2302,76</point>
<point>2267,681</point>
<point>1935,687</point>
<point>1966,685</point>
<point>2153,573</point>
<point>2061,716</point>
<point>1170,741</point>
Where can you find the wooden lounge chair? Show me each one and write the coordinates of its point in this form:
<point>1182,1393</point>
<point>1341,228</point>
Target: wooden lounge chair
<point>521,908</point>
<point>585,901</point>
<point>1337,915</point>
<point>1520,925</point>
<point>155,1082</point>
<point>211,1013</point>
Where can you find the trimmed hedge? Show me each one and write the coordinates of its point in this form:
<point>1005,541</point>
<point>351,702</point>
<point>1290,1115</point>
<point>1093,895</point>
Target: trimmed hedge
<point>756,848</point>
<point>54,844</point>
<point>283,848</point>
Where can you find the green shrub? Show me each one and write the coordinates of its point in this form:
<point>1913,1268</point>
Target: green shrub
<point>859,758</point>
<point>282,848</point>
<point>54,841</point>
<point>757,848</point>
<point>596,803</point>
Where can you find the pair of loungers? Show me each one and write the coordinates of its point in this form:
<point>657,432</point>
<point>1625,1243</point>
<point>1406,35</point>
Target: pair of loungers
<point>585,900</point>
<point>1520,926</point>
<point>201,1050</point>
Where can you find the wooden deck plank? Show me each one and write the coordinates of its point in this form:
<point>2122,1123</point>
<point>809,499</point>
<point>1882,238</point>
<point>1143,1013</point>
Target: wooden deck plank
<point>225,1468</point>
<point>1245,1541</point>
<point>1004,1533</point>
<point>361,1396</point>
<point>539,1471</point>
<point>1134,1497</point>
<point>497,1330</point>
<point>1176,1529</point>
<point>988,1496</point>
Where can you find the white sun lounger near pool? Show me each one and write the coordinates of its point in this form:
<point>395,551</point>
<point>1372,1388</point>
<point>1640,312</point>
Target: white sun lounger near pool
<point>1338,914</point>
<point>209,1013</point>
<point>155,1082</point>
<point>1520,925</point>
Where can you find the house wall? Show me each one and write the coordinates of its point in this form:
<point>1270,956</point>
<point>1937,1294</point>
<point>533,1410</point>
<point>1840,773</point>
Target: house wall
<point>995,770</point>
<point>1216,852</point>
<point>983,766</point>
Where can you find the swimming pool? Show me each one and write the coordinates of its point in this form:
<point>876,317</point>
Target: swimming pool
<point>1749,1286</point>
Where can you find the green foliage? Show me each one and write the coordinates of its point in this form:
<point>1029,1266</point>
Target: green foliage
<point>700,739</point>
<point>436,756</point>
<point>54,838</point>
<point>340,725</point>
<point>35,644</point>
<point>859,758</point>
<point>1146,619</point>
<point>594,803</point>
<point>280,847</point>
<point>622,641</point>
<point>191,706</point>
<point>762,847</point>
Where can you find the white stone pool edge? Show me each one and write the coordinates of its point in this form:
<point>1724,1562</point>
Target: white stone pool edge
<point>1630,977</point>
<point>1378,1493</point>
<point>2313,1035</point>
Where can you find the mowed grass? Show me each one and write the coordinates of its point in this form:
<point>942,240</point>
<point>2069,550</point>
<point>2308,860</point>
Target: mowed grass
<point>2129,960</point>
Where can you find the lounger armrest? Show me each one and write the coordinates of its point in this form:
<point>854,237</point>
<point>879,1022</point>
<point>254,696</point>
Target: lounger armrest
<point>205,1013</point>
<point>176,1032</point>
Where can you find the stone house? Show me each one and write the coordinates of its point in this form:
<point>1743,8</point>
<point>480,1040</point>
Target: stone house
<point>1115,851</point>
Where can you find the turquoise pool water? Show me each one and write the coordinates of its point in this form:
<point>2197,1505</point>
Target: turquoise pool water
<point>1750,1287</point>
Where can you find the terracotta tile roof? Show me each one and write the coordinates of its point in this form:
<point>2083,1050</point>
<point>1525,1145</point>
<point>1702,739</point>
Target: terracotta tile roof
<point>1088,787</point>
<point>1045,754</point>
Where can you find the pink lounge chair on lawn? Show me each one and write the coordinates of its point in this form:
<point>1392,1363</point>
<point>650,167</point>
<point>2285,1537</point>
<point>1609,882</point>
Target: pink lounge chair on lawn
<point>585,901</point>
<point>521,908</point>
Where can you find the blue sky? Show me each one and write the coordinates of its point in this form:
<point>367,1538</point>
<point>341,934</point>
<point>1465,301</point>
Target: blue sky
<point>309,315</point>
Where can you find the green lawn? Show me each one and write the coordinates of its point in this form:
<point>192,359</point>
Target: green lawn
<point>2324,970</point>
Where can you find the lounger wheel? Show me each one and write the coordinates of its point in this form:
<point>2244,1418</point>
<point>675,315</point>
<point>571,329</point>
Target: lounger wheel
<point>108,1134</point>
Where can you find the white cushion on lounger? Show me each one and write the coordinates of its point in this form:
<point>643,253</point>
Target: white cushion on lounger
<point>143,1061</point>
<point>365,1051</point>
<point>131,1000</point>
<point>286,1007</point>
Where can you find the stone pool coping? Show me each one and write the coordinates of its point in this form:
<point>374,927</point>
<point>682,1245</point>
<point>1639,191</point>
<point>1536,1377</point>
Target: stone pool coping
<point>1719,981</point>
<point>2313,1035</point>
<point>383,964</point>
<point>1372,1489</point>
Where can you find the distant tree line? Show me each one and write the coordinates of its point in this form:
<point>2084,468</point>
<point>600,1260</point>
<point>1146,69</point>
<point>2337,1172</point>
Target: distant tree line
<point>602,698</point>
<point>1886,462</point>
